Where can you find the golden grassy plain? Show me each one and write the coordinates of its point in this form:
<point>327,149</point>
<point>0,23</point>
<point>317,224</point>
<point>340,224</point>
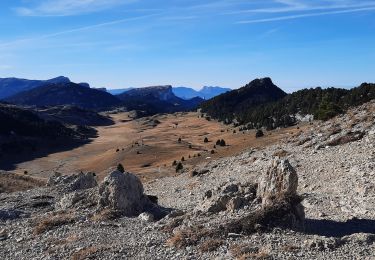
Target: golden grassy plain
<point>148,146</point>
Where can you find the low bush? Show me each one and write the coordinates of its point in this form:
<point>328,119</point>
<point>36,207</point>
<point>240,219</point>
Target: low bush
<point>179,167</point>
<point>259,133</point>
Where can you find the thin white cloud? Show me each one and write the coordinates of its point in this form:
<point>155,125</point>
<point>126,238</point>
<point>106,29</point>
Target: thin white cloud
<point>298,16</point>
<point>84,28</point>
<point>68,7</point>
<point>295,6</point>
<point>178,18</point>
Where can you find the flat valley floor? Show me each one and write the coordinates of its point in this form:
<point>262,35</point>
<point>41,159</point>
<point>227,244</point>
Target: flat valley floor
<point>148,146</point>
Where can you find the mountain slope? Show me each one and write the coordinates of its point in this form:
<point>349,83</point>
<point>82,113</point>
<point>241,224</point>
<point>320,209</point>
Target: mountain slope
<point>158,99</point>
<point>66,94</point>
<point>232,105</point>
<point>13,86</point>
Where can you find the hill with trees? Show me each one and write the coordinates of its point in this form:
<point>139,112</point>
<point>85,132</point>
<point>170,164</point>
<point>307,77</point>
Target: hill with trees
<point>319,103</point>
<point>233,105</point>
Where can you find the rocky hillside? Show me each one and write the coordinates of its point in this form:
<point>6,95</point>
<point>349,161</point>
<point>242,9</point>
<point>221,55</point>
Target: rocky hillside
<point>312,196</point>
<point>12,86</point>
<point>158,99</point>
<point>66,94</point>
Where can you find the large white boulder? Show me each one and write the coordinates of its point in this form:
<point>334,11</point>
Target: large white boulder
<point>122,192</point>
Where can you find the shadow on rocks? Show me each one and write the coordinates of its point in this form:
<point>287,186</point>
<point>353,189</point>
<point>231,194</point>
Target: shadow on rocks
<point>330,228</point>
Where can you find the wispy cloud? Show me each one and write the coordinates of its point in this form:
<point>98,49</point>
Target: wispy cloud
<point>288,6</point>
<point>178,18</point>
<point>80,29</point>
<point>305,15</point>
<point>68,7</point>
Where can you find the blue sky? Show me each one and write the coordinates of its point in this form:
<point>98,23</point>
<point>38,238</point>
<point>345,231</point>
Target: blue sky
<point>136,43</point>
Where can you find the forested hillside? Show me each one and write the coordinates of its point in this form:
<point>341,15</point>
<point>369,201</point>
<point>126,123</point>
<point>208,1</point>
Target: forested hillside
<point>321,103</point>
<point>237,103</point>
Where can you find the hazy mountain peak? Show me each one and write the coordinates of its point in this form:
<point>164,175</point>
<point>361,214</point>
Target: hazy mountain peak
<point>12,86</point>
<point>65,94</point>
<point>207,92</point>
<point>59,79</point>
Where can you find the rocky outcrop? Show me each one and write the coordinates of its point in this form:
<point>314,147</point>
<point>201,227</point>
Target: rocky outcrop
<point>230,197</point>
<point>123,192</point>
<point>278,189</point>
<point>280,180</point>
<point>81,181</point>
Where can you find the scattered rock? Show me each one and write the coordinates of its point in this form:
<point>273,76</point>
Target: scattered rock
<point>147,217</point>
<point>78,199</point>
<point>235,203</point>
<point>360,238</point>
<point>176,213</point>
<point>323,244</point>
<point>231,197</point>
<point>346,137</point>
<point>74,182</point>
<point>3,234</point>
<point>199,172</point>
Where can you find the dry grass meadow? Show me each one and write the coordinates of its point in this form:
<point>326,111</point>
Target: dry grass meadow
<point>148,146</point>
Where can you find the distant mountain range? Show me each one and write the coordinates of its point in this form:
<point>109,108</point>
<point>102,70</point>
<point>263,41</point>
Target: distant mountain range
<point>205,92</point>
<point>185,92</point>
<point>66,93</point>
<point>61,91</point>
<point>158,99</point>
<point>258,104</point>
<point>13,86</point>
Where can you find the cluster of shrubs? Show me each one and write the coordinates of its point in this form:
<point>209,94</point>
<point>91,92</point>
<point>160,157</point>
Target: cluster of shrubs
<point>221,142</point>
<point>179,166</point>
